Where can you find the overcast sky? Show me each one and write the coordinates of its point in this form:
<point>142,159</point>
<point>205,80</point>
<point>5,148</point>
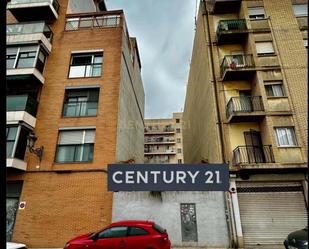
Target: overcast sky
<point>164,30</point>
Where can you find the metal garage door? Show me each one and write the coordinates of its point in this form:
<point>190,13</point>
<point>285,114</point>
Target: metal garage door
<point>269,212</point>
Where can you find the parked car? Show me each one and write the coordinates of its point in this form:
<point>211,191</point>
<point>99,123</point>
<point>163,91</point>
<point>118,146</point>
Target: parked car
<point>297,239</point>
<point>130,234</point>
<point>12,245</point>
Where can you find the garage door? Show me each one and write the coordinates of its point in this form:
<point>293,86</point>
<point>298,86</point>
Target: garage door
<point>269,212</point>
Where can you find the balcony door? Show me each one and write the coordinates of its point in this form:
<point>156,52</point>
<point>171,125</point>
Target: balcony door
<point>254,146</point>
<point>245,101</point>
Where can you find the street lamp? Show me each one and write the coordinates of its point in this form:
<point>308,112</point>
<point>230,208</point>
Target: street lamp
<point>31,139</point>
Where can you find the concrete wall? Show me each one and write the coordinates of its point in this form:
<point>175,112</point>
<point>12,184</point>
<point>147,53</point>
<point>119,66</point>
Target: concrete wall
<point>165,210</point>
<point>130,126</point>
<point>200,136</point>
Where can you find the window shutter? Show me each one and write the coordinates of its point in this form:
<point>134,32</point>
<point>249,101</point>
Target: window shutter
<point>90,136</point>
<point>264,48</point>
<point>71,137</point>
<point>300,9</point>
<point>256,11</point>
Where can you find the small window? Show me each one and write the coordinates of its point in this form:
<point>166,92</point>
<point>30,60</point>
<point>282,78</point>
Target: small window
<point>178,140</point>
<point>114,232</point>
<point>81,102</point>
<point>274,90</point>
<point>11,133</point>
<point>179,161</point>
<point>86,65</point>
<point>177,120</point>
<point>300,10</point>
<point>178,130</point>
<point>75,146</point>
<point>256,12</point>
<point>285,136</point>
<point>264,48</point>
<point>136,231</point>
<point>178,151</point>
<point>306,43</point>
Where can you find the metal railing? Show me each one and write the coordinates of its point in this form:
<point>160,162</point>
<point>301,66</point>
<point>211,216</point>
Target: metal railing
<point>102,21</point>
<point>80,109</point>
<point>237,61</point>
<point>165,129</point>
<point>231,25</point>
<point>30,28</point>
<point>247,154</point>
<point>21,103</point>
<point>159,140</point>
<point>244,104</point>
<point>153,150</point>
<point>53,2</point>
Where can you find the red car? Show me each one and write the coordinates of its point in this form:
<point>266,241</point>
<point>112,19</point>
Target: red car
<point>130,234</point>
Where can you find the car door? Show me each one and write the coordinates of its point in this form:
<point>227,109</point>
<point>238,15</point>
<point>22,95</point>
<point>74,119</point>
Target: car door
<point>110,238</point>
<point>138,238</point>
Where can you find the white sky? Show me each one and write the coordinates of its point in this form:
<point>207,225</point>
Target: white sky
<point>164,30</point>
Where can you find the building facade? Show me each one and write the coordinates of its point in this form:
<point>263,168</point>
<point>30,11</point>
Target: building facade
<point>246,102</point>
<point>163,140</point>
<point>73,86</point>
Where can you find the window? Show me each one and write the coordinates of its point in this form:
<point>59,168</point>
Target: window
<point>25,57</point>
<point>300,10</point>
<point>264,48</point>
<point>179,161</point>
<point>114,232</point>
<point>306,43</point>
<point>81,102</point>
<point>256,12</point>
<point>86,65</point>
<point>275,89</point>
<point>178,130</point>
<point>75,146</point>
<point>285,136</point>
<point>16,141</point>
<point>178,140</point>
<point>177,120</point>
<point>178,150</point>
<point>136,231</point>
<point>11,133</point>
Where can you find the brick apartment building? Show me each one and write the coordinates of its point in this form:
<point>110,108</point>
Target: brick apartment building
<point>74,84</point>
<point>163,140</point>
<point>246,102</point>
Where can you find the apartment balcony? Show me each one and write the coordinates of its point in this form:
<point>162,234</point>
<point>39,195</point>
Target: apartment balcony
<point>25,64</point>
<point>21,108</point>
<point>165,131</point>
<point>104,19</point>
<point>245,109</point>
<point>149,152</point>
<point>237,67</point>
<point>16,145</point>
<point>159,140</point>
<point>223,6</point>
<point>232,31</point>
<point>34,10</point>
<point>29,33</point>
<point>248,155</point>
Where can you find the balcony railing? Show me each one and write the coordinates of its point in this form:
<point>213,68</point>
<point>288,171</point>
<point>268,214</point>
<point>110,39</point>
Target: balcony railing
<point>253,154</point>
<point>89,22</point>
<point>30,28</point>
<point>231,25</point>
<point>53,2</point>
<point>159,140</point>
<point>244,104</point>
<point>21,103</point>
<point>165,129</point>
<point>80,109</point>
<point>235,62</point>
<point>159,151</point>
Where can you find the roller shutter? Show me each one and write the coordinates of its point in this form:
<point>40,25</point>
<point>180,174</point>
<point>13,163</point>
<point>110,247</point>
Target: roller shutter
<point>269,212</point>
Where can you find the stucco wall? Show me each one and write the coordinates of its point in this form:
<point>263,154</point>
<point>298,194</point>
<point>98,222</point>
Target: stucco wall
<point>165,210</point>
